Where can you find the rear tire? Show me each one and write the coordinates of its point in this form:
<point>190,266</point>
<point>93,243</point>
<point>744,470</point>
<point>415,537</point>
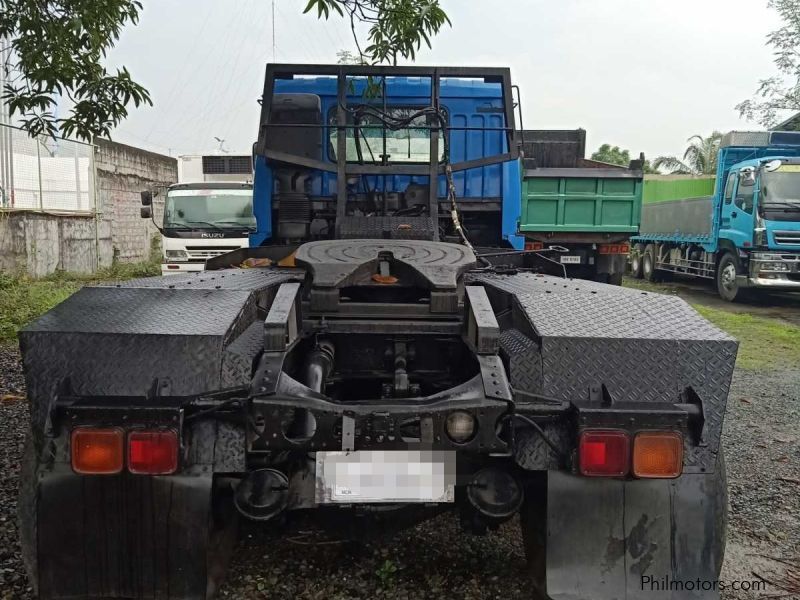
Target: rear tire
<point>727,286</point>
<point>649,263</point>
<point>636,261</point>
<point>615,279</point>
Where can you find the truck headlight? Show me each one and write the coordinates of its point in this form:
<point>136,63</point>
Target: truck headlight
<point>177,255</point>
<point>760,237</point>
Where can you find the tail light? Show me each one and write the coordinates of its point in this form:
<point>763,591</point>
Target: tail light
<point>152,452</point>
<point>614,248</point>
<point>658,454</point>
<point>534,246</point>
<point>97,451</point>
<point>604,453</point>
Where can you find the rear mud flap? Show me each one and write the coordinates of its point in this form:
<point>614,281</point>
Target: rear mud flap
<point>644,539</point>
<point>127,537</point>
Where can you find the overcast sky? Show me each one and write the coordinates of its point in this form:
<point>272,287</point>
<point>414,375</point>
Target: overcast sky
<point>644,75</point>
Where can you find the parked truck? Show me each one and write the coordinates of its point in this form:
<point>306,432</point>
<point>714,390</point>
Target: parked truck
<point>587,207</point>
<point>746,235</point>
<point>377,370</point>
<point>207,213</point>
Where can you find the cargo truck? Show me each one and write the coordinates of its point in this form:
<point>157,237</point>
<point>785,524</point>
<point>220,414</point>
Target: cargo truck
<point>207,213</point>
<point>373,368</point>
<point>587,207</point>
<point>744,237</point>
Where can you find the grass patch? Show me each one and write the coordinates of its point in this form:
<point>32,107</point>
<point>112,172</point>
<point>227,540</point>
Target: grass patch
<point>763,343</point>
<point>23,298</point>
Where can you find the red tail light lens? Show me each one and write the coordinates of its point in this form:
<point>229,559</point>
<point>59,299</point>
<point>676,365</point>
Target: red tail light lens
<point>534,246</point>
<point>97,451</point>
<point>152,452</point>
<point>604,453</point>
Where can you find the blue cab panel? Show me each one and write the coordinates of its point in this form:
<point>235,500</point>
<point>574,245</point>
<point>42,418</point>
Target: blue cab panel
<point>474,105</point>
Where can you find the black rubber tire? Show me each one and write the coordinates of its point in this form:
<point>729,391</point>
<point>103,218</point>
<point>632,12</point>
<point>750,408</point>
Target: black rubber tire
<point>533,522</point>
<point>615,279</point>
<point>636,261</point>
<point>725,278</point>
<point>649,263</point>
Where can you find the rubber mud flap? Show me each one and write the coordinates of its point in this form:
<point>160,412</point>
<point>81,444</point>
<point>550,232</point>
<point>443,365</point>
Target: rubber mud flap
<point>610,539</point>
<point>126,537</point>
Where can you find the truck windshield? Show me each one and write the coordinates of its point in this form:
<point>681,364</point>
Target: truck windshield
<point>780,189</point>
<point>209,209</point>
<point>410,144</point>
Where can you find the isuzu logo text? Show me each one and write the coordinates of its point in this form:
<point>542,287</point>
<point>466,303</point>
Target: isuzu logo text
<point>212,235</point>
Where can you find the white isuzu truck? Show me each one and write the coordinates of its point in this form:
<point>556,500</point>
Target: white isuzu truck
<point>207,213</point>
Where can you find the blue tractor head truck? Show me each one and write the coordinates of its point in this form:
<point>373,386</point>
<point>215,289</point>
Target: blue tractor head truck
<point>386,356</point>
<point>746,236</point>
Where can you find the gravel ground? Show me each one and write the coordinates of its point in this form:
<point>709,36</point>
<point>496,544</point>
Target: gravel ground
<point>437,560</point>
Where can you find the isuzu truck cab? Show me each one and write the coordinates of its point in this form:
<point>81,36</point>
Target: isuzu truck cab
<point>209,211</point>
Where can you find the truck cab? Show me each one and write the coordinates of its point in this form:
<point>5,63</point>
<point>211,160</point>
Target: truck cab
<point>209,212</point>
<point>760,215</point>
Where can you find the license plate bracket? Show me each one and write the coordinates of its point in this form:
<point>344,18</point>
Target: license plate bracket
<point>380,476</point>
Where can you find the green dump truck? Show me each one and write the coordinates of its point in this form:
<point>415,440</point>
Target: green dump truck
<point>587,207</point>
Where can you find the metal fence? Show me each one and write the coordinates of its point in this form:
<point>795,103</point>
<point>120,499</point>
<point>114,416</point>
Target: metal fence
<point>45,173</point>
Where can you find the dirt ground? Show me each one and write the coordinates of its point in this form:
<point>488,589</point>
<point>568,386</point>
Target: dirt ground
<point>437,560</point>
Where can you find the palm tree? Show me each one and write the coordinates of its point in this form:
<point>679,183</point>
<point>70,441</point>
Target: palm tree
<point>700,157</point>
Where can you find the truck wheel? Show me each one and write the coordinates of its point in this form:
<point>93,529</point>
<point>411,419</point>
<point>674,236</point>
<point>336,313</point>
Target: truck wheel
<point>649,263</point>
<point>533,521</point>
<point>727,287</point>
<point>636,261</point>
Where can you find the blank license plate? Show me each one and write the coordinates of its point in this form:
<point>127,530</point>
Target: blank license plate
<point>570,260</point>
<point>385,476</point>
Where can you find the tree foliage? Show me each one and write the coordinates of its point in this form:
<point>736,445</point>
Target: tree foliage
<point>615,155</point>
<point>780,93</point>
<point>57,49</point>
<point>700,157</point>
<point>397,29</point>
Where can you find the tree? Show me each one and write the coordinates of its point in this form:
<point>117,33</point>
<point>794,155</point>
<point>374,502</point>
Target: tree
<point>613,155</point>
<point>345,57</point>
<point>616,156</point>
<point>397,27</point>
<point>58,49</point>
<point>699,158</point>
<point>781,92</point>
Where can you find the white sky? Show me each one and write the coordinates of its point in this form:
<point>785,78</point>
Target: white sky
<point>641,74</point>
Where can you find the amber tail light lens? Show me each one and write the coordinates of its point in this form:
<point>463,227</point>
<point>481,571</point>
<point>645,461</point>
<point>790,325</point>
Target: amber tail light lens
<point>153,452</point>
<point>658,454</point>
<point>604,453</point>
<point>97,451</point>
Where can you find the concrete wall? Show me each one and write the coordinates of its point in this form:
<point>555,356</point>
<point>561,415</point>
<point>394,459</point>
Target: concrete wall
<point>122,172</point>
<point>40,243</point>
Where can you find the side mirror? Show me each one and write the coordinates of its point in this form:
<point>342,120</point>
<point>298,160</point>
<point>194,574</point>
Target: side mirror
<point>147,199</point>
<point>146,212</point>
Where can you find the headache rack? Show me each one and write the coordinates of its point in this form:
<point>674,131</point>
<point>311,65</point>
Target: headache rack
<point>377,77</point>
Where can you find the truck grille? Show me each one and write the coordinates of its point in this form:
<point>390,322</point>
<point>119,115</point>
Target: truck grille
<point>787,237</point>
<point>206,253</point>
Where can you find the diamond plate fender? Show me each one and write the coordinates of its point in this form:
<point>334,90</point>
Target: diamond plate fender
<point>644,347</point>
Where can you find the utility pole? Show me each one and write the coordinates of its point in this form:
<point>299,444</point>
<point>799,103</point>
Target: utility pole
<point>273,31</point>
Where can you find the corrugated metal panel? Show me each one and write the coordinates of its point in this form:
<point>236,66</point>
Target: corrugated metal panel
<point>666,188</point>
